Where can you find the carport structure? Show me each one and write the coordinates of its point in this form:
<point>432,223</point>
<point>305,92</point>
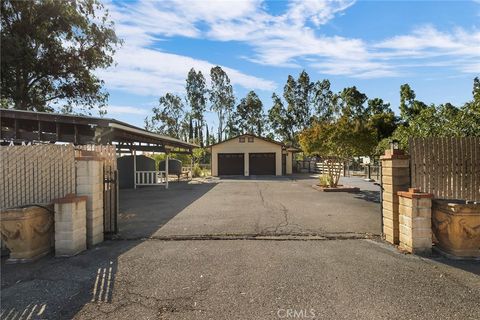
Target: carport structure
<point>22,127</point>
<point>109,137</point>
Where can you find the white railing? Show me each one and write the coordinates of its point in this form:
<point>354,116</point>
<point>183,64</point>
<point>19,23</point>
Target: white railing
<point>151,178</point>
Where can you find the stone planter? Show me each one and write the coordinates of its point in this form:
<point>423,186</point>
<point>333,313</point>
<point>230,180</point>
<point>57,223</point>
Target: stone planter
<point>456,227</point>
<point>27,232</point>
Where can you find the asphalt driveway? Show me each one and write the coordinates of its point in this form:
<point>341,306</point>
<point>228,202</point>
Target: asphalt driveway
<point>270,248</point>
<point>263,206</point>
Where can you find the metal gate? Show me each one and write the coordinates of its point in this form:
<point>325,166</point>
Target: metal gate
<point>110,200</point>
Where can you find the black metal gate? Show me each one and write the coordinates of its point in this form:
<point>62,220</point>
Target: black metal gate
<point>110,200</point>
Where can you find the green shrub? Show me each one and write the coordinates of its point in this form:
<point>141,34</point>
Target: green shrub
<point>326,180</point>
<point>197,171</point>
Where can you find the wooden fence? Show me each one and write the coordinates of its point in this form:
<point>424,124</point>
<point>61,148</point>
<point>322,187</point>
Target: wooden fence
<point>449,168</point>
<point>35,174</point>
<point>322,167</point>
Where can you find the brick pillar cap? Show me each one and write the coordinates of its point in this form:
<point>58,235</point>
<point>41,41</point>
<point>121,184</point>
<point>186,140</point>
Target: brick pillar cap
<point>70,198</point>
<point>414,193</point>
<point>394,156</point>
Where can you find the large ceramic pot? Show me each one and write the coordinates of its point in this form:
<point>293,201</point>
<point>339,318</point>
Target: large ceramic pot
<point>456,226</point>
<point>27,232</point>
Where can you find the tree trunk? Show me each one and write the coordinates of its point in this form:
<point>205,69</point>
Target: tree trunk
<point>220,125</point>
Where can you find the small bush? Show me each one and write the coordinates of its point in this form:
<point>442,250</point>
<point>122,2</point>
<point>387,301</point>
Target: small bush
<point>197,171</point>
<point>326,180</point>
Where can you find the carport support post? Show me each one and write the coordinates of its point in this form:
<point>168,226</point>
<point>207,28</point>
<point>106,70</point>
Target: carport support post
<point>191,167</point>
<point>166,170</point>
<point>134,169</point>
<point>395,177</point>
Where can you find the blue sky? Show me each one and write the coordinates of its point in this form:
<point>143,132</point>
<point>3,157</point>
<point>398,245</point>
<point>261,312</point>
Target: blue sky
<point>375,45</point>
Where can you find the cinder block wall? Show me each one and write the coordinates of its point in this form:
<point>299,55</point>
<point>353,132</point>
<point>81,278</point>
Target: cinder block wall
<point>395,177</point>
<point>70,225</point>
<point>415,219</point>
<point>89,170</point>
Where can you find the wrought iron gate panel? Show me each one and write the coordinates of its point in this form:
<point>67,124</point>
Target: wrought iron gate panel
<point>110,200</point>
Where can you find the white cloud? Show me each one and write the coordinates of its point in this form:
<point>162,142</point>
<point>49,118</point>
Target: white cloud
<point>286,40</point>
<point>144,69</point>
<point>150,72</point>
<point>114,109</point>
<point>427,38</point>
<point>427,46</point>
<point>290,39</point>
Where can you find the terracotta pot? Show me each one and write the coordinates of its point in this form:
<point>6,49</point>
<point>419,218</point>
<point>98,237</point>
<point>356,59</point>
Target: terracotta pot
<point>27,232</point>
<point>456,226</point>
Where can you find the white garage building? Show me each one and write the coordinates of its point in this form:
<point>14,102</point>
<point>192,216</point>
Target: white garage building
<point>248,154</point>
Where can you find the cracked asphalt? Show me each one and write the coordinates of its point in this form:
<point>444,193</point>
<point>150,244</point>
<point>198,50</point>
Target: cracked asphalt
<point>249,206</point>
<point>244,249</point>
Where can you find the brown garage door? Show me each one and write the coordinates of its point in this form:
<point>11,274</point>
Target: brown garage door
<point>262,163</point>
<point>230,164</point>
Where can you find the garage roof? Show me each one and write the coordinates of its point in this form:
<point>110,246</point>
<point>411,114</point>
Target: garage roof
<point>283,145</point>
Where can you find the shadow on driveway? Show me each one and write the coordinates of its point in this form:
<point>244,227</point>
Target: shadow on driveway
<point>57,288</point>
<point>368,195</point>
<point>145,210</point>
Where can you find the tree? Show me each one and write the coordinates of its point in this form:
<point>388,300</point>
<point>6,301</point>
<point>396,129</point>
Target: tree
<point>343,134</point>
<point>409,107</point>
<point>303,94</point>
<point>445,120</point>
<point>50,51</point>
<point>167,117</point>
<point>381,119</point>
<point>249,116</point>
<point>196,91</point>
<point>280,120</point>
<point>352,103</point>
<point>476,93</point>
<point>297,94</point>
<point>221,97</point>
<point>324,101</point>
<point>336,142</point>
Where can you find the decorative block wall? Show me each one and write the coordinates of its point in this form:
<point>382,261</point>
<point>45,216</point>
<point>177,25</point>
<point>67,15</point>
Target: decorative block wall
<point>89,171</point>
<point>70,225</point>
<point>415,219</point>
<point>395,177</point>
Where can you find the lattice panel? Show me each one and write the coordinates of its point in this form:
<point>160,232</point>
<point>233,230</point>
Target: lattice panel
<point>35,174</point>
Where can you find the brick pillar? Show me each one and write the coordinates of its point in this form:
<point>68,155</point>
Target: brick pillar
<point>70,225</point>
<point>90,183</point>
<point>395,177</point>
<point>415,221</point>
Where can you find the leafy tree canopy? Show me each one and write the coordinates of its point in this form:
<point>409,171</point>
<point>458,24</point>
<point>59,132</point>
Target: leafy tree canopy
<point>445,120</point>
<point>221,97</point>
<point>325,101</point>
<point>337,141</point>
<point>409,107</point>
<point>249,116</point>
<point>280,120</point>
<point>50,50</point>
<point>167,117</point>
<point>196,94</point>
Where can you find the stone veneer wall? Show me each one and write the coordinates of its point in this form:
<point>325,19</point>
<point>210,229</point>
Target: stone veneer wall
<point>89,171</point>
